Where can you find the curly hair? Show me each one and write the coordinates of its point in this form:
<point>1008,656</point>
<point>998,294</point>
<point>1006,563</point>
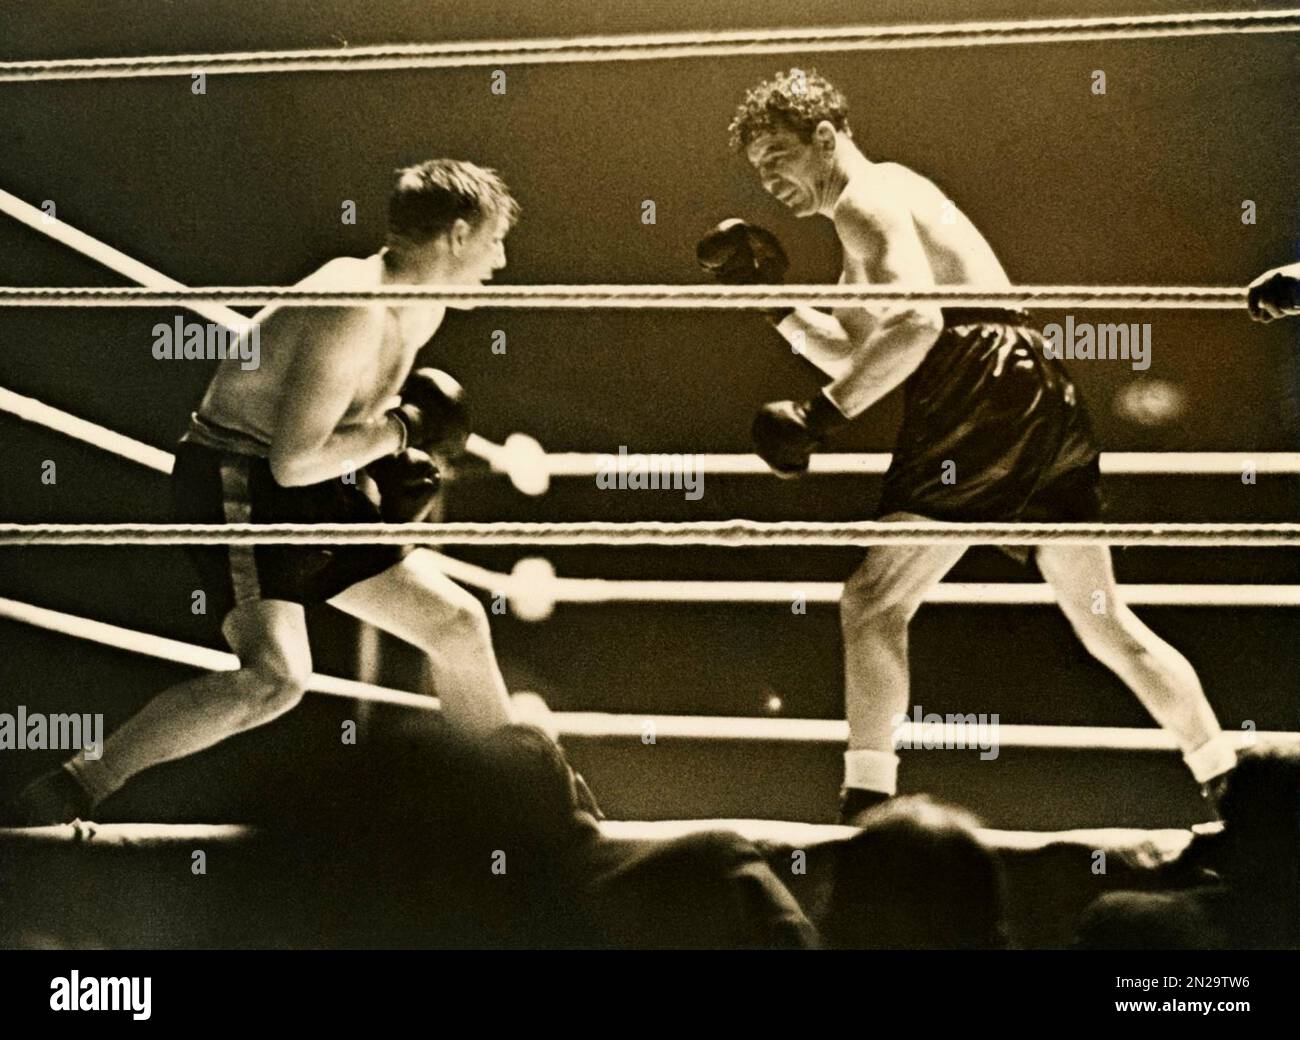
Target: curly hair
<point>796,100</point>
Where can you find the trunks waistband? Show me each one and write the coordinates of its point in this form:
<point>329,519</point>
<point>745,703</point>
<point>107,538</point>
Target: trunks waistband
<point>954,316</point>
<point>208,434</point>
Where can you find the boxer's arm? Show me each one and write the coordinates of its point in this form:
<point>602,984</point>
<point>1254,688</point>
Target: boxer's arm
<point>307,446</point>
<point>885,342</point>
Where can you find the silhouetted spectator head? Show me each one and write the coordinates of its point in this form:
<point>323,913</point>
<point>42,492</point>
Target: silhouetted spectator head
<point>915,877</point>
<point>457,841</point>
<point>528,788</point>
<point>1261,810</point>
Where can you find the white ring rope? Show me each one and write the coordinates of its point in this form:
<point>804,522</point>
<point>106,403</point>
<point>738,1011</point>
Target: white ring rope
<point>729,534</point>
<point>606,590</point>
<point>534,589</point>
<point>599,590</point>
<point>202,657</point>
<point>715,297</point>
<point>31,410</point>
<point>521,458</point>
<point>1113,463</point>
<point>601,725</point>
<point>114,259</point>
<point>661,46</point>
<point>530,468</point>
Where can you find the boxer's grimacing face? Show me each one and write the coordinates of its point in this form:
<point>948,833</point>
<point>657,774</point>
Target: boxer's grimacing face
<point>791,169</point>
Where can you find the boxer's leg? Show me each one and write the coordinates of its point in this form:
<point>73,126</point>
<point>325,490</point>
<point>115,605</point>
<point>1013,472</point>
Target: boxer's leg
<point>876,608</point>
<point>270,639</point>
<point>1162,678</point>
<point>416,602</point>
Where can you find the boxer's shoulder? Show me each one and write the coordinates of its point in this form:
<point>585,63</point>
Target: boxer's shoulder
<point>875,199</point>
<point>860,216</point>
<point>345,272</point>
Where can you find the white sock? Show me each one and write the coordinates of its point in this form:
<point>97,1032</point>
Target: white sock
<point>1213,758</point>
<point>872,770</point>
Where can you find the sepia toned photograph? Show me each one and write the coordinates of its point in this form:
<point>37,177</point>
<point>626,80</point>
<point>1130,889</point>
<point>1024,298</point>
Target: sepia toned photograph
<point>682,476</point>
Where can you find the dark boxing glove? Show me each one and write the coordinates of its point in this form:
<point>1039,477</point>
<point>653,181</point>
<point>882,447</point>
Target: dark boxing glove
<point>786,434</point>
<point>739,253</point>
<point>433,413</point>
<point>1275,294</point>
<point>408,482</point>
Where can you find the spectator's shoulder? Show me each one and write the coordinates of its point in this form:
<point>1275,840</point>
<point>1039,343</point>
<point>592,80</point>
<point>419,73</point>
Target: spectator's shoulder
<point>726,846</point>
<point>705,889</point>
<point>1150,920</point>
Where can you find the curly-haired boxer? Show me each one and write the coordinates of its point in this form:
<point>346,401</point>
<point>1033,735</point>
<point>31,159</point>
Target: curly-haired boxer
<point>993,429</point>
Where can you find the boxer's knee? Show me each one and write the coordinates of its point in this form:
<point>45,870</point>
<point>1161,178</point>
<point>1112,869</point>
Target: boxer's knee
<point>270,639</point>
<point>464,621</point>
<point>281,691</point>
<point>871,603</point>
<point>455,623</point>
<point>1111,636</point>
<point>859,612</point>
<point>272,687</point>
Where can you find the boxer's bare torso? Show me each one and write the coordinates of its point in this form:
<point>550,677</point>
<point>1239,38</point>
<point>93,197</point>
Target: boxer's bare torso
<point>956,251</point>
<point>349,361</point>
<point>895,225</point>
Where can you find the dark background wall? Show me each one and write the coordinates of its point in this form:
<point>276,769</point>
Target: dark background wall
<point>244,186</point>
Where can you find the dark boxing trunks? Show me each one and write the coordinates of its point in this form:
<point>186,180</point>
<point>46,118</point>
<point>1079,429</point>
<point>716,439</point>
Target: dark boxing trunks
<point>211,486</point>
<point>993,430</point>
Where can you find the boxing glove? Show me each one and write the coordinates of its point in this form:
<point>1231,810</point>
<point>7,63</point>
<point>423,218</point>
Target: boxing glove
<point>433,413</point>
<point>739,253</point>
<point>408,482</point>
<point>786,434</point>
<point>1275,294</point>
